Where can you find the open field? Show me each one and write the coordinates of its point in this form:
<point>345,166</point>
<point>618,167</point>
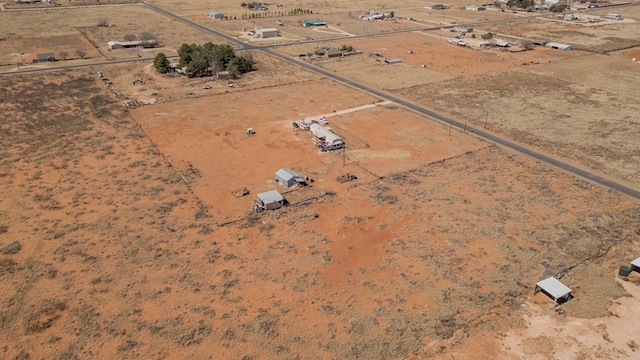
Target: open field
<point>121,236</point>
<point>103,240</point>
<point>556,108</point>
<point>30,35</point>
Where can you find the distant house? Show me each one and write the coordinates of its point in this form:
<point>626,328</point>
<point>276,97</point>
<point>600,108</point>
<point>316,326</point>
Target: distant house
<point>45,57</point>
<point>215,15</point>
<point>475,8</point>
<point>112,45</point>
<point>613,16</point>
<point>288,177</point>
<point>306,23</point>
<point>267,33</point>
<point>555,45</point>
<point>393,61</point>
<point>462,29</point>
<point>437,7</point>
<point>329,139</point>
<point>270,200</point>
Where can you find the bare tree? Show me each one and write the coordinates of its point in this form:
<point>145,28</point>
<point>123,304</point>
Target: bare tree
<point>63,54</point>
<point>129,37</point>
<point>103,22</point>
<point>147,38</point>
<point>81,53</point>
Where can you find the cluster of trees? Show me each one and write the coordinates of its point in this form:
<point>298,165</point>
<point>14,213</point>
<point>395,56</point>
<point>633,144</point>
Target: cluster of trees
<point>207,59</point>
<point>262,14</point>
<point>252,5</point>
<point>65,54</point>
<point>521,4</point>
<point>558,7</point>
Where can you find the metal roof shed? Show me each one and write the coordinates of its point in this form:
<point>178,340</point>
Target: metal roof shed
<point>635,265</point>
<point>393,61</point>
<point>215,15</point>
<point>560,46</point>
<point>288,177</point>
<point>554,288</point>
<point>270,200</point>
<point>46,57</point>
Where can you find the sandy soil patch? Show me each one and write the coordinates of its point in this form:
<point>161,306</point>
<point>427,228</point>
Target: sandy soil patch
<point>26,50</point>
<point>27,30</point>
<point>549,335</point>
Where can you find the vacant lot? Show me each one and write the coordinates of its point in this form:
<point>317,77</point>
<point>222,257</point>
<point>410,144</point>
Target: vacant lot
<point>33,32</point>
<point>557,108</point>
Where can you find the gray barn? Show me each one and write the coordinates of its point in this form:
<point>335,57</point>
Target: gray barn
<point>288,177</point>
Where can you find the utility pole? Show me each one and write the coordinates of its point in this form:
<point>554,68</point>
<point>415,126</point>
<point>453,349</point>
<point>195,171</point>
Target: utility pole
<point>344,155</point>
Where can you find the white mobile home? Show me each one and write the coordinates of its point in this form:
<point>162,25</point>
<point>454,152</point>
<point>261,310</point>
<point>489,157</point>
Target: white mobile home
<point>613,16</point>
<point>330,141</point>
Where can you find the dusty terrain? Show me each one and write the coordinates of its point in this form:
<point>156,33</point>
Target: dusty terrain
<point>26,35</point>
<point>121,235</point>
<point>542,97</point>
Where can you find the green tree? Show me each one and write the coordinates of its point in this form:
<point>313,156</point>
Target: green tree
<point>186,52</point>
<point>522,4</point>
<point>199,66</point>
<point>558,7</point>
<point>161,63</point>
<point>392,15</point>
<point>221,55</point>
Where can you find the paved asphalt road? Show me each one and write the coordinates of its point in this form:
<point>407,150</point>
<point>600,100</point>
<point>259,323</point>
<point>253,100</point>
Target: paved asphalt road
<point>586,174</point>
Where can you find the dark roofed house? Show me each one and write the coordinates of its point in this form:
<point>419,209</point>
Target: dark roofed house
<point>45,57</point>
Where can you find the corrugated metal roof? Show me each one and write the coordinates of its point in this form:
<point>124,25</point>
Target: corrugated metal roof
<point>270,197</point>
<point>636,262</point>
<point>559,45</point>
<point>286,174</point>
<point>46,56</point>
<point>393,61</point>
<point>554,287</point>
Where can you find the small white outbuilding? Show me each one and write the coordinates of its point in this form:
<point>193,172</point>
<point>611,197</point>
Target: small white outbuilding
<point>554,289</point>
